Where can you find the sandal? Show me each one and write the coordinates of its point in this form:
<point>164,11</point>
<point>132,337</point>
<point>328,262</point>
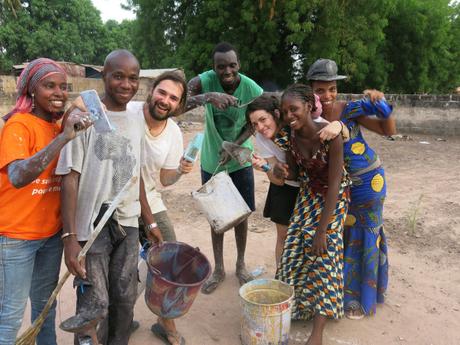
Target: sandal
<point>244,277</point>
<point>354,311</point>
<point>162,334</point>
<point>212,283</point>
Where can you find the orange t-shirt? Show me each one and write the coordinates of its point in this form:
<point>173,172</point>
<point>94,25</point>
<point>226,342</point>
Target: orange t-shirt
<point>33,211</point>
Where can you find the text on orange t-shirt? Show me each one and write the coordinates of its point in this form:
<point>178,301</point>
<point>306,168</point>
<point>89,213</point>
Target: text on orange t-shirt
<point>33,211</point>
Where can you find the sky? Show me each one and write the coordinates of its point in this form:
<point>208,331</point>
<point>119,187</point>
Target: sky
<point>111,9</point>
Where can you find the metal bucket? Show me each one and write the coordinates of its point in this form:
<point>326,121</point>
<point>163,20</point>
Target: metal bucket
<point>176,272</point>
<point>221,203</point>
<point>266,318</point>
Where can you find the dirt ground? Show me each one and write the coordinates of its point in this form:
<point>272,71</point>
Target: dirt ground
<point>422,216</point>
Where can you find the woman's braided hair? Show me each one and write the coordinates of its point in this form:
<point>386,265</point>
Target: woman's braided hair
<point>301,92</point>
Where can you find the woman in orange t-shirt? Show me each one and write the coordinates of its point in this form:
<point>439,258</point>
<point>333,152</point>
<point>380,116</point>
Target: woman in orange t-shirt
<point>30,244</point>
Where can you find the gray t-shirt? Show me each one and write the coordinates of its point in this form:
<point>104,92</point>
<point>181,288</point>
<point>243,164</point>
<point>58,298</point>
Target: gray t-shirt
<point>106,162</point>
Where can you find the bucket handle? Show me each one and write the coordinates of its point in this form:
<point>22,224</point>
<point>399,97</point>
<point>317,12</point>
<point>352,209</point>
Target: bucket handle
<point>187,264</point>
<point>158,272</point>
<point>155,270</point>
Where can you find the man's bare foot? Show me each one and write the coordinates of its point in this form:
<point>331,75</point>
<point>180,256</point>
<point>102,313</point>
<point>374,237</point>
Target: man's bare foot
<point>213,282</point>
<point>243,275</point>
<point>168,336</point>
<point>172,334</point>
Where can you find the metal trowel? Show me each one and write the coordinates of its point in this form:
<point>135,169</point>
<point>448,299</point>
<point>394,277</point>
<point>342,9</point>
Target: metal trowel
<point>96,112</point>
<point>83,322</point>
<point>241,154</point>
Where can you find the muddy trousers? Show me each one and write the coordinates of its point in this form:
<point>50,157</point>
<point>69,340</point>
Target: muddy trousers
<point>111,268</point>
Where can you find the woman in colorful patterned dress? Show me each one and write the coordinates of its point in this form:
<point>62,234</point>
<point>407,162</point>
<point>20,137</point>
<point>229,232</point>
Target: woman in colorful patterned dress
<point>365,255</point>
<point>264,117</point>
<point>312,259</point>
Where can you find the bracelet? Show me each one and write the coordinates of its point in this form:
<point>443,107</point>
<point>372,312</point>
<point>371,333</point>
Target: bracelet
<point>152,226</point>
<point>341,125</point>
<point>67,234</point>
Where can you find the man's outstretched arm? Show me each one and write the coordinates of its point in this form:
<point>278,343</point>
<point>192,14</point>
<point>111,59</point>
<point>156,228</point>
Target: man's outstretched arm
<point>196,98</point>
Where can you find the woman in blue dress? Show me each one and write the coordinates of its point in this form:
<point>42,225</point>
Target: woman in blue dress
<point>365,254</point>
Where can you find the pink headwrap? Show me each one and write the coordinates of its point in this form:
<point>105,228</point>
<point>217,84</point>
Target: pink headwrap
<point>319,108</point>
<point>35,71</point>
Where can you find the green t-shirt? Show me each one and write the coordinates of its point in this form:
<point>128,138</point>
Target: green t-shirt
<point>225,124</point>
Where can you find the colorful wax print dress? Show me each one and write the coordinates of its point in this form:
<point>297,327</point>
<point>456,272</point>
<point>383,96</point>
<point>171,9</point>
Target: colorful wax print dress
<point>365,254</point>
<point>317,280</point>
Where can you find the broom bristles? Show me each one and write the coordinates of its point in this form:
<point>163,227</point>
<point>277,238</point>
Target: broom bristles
<point>28,337</point>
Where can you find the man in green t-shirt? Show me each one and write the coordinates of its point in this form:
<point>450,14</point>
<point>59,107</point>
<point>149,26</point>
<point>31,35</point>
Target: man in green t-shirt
<point>221,90</point>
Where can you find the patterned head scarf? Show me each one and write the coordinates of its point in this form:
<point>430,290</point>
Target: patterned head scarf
<point>35,71</point>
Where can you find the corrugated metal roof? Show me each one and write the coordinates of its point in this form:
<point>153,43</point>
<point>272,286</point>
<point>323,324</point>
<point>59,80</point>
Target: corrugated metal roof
<point>153,73</point>
<point>78,70</point>
<point>96,67</point>
<point>72,69</point>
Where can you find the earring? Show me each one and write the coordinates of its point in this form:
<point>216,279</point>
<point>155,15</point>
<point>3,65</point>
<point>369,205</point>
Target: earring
<point>33,101</point>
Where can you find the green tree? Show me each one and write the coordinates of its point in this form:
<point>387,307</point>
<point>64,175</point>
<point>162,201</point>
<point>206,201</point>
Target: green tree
<point>351,32</point>
<point>70,30</point>
<point>454,48</point>
<point>118,35</point>
<point>12,5</point>
<point>183,33</point>
<point>400,46</point>
<point>152,31</point>
<point>418,46</point>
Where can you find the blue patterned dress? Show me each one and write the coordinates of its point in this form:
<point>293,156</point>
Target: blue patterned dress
<point>317,280</point>
<point>365,255</point>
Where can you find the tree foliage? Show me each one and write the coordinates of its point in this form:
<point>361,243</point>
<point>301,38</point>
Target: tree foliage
<point>351,32</point>
<point>400,46</point>
<point>118,35</point>
<point>184,33</point>
<point>12,5</point>
<point>397,46</point>
<point>454,47</point>
<point>419,46</point>
<point>68,30</point>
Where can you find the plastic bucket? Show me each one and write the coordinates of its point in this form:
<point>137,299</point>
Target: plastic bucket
<point>221,203</point>
<point>176,272</point>
<point>266,317</point>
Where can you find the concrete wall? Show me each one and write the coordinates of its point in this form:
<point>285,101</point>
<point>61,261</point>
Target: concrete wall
<point>426,114</point>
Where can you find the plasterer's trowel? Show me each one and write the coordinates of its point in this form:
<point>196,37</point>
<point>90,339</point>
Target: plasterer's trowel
<point>241,154</point>
<point>82,323</point>
<point>96,112</point>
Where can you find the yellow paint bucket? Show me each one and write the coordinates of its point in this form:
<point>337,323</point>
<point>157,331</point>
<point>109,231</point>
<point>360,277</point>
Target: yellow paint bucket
<point>266,312</point>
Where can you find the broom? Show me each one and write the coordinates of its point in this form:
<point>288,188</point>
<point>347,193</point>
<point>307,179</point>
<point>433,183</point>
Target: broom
<point>28,337</point>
